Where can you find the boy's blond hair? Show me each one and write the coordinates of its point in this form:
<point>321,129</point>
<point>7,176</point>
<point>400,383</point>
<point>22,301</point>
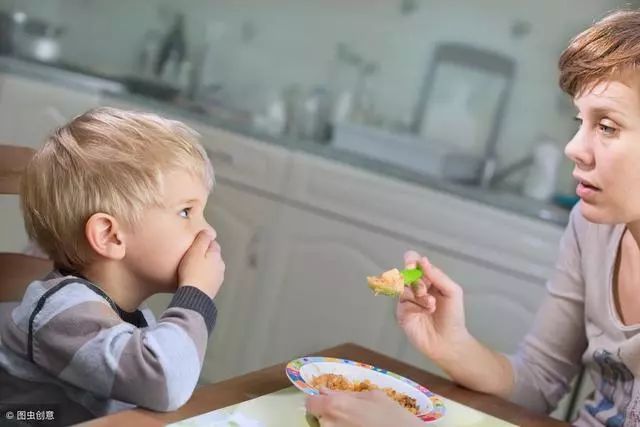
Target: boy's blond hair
<point>105,160</point>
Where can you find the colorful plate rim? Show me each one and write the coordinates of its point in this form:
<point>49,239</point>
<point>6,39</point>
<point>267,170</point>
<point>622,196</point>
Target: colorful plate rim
<point>293,373</point>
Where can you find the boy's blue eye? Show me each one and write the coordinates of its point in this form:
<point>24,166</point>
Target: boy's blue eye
<point>185,212</point>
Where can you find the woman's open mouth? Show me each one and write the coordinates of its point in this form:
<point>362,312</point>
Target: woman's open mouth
<point>586,190</point>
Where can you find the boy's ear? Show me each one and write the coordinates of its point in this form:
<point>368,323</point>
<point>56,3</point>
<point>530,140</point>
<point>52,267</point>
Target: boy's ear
<point>105,236</point>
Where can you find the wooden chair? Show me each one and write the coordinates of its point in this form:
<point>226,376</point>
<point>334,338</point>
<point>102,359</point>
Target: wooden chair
<point>17,270</point>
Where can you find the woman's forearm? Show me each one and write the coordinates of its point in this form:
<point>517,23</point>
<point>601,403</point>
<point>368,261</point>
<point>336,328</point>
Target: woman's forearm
<point>475,366</point>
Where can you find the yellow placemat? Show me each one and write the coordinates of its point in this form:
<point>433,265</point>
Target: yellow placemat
<point>285,408</point>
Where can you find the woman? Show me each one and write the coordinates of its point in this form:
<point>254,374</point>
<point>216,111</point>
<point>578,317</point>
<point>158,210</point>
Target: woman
<point>591,313</point>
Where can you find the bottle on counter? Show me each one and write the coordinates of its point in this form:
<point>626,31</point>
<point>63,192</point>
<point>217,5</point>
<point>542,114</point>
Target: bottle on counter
<point>149,54</point>
<point>172,52</point>
<point>314,115</point>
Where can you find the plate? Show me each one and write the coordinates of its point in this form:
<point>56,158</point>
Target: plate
<point>301,372</point>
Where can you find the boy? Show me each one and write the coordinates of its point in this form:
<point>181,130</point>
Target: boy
<point>116,199</point>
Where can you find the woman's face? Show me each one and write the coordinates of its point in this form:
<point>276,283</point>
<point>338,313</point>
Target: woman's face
<point>606,152</point>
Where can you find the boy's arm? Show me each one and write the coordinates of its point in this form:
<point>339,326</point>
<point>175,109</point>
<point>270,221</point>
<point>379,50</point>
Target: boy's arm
<point>87,344</point>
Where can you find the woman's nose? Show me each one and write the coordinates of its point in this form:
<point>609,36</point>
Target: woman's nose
<point>579,150</point>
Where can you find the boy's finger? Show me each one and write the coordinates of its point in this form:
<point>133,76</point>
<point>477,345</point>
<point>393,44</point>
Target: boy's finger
<point>214,246</point>
<point>201,242</point>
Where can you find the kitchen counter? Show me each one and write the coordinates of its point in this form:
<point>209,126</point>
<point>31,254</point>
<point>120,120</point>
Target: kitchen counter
<point>78,79</point>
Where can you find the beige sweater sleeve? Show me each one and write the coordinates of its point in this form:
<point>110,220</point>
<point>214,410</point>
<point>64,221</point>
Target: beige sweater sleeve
<point>549,356</point>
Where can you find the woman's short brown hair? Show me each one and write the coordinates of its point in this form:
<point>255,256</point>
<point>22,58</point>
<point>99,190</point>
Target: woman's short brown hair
<point>608,49</point>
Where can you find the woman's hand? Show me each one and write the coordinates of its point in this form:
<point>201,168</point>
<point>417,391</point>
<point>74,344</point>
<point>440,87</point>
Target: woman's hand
<point>431,312</point>
<point>362,409</point>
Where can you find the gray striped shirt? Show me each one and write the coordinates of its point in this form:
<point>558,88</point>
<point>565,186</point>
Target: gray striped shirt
<point>67,332</point>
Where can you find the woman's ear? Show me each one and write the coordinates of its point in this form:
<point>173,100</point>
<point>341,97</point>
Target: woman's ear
<point>105,236</point>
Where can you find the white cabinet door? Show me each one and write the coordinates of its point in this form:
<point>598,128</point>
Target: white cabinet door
<point>314,292</point>
<point>30,109</point>
<point>241,220</point>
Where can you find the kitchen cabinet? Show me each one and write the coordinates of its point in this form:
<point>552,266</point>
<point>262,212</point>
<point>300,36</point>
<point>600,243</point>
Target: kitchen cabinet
<point>467,229</point>
<point>501,260</point>
<point>30,109</point>
<point>242,220</point>
<point>314,293</point>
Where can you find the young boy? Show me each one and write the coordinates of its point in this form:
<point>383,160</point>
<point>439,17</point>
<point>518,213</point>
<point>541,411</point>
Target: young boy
<point>116,199</point>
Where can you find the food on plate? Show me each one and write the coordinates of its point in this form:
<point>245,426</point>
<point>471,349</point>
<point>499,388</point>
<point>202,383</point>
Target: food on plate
<point>342,383</point>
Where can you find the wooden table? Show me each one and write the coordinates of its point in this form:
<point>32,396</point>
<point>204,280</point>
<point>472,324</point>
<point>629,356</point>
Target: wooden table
<point>214,396</point>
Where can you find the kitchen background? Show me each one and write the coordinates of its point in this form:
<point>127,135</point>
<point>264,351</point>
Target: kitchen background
<point>343,132</point>
<point>250,55</point>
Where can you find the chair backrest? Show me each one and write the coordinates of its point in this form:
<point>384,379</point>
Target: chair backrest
<point>13,160</point>
<point>17,270</point>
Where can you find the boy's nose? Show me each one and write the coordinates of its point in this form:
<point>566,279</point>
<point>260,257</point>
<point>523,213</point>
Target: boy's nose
<point>211,231</point>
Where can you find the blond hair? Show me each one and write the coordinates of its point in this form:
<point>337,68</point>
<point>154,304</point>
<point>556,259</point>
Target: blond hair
<point>608,49</point>
<point>105,160</point>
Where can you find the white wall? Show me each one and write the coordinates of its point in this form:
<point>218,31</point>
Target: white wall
<point>295,40</point>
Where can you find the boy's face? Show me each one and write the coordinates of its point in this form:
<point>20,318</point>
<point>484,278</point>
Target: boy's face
<point>606,152</point>
<point>156,246</point>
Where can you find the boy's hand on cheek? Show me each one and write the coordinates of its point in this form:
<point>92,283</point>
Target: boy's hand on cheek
<point>202,265</point>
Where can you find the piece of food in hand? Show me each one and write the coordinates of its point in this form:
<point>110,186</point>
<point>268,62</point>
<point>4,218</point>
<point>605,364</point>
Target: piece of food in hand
<point>390,283</point>
<point>341,383</point>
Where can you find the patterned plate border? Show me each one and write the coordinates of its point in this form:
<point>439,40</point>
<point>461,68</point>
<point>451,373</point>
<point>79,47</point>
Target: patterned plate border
<point>293,373</point>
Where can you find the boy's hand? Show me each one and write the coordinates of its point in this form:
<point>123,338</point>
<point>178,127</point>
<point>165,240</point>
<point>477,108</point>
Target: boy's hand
<point>202,265</point>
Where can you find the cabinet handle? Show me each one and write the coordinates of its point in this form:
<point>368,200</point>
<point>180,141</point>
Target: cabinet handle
<point>252,248</point>
<point>220,156</point>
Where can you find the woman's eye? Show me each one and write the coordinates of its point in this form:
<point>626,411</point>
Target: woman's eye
<point>606,130</point>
